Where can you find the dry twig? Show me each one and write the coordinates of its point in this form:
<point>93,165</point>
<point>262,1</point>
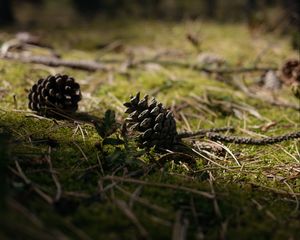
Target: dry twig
<point>19,172</point>
<point>160,185</point>
<point>180,227</point>
<point>252,141</point>
<point>56,62</point>
<point>54,177</point>
<point>132,217</point>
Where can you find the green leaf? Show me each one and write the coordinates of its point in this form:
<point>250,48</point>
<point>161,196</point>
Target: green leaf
<point>107,125</point>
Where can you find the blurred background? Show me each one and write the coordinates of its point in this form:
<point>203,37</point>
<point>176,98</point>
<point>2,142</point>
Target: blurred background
<point>269,15</point>
<point>34,12</point>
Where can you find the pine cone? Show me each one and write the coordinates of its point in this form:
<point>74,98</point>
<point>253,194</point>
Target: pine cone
<point>155,124</point>
<point>54,95</point>
<point>287,70</point>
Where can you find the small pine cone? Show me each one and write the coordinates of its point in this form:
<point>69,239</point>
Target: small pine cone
<point>54,95</point>
<point>156,124</point>
<point>287,70</point>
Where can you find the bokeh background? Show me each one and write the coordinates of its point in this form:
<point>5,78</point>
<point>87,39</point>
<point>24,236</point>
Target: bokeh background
<point>28,12</point>
<point>281,16</point>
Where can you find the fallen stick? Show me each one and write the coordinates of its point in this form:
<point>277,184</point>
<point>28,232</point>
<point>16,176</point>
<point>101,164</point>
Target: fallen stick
<point>56,62</point>
<point>95,66</point>
<point>86,65</point>
<point>204,69</point>
<point>160,185</point>
<point>252,141</point>
<point>240,86</point>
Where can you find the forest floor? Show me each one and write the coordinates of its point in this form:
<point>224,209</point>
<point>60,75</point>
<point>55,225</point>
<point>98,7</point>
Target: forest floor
<point>61,185</point>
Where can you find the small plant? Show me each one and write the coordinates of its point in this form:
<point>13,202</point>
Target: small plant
<point>107,125</point>
<point>55,96</point>
<point>115,150</point>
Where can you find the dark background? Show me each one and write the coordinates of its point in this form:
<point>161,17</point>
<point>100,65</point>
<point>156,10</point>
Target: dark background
<point>251,11</point>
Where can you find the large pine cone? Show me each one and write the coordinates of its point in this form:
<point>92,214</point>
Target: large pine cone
<point>287,71</point>
<point>155,124</point>
<point>54,96</point>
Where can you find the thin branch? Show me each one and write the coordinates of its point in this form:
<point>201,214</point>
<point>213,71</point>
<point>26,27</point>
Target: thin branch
<point>95,66</point>
<point>177,157</point>
<point>296,210</point>
<point>275,190</point>
<point>210,160</point>
<point>180,227</point>
<point>215,202</point>
<point>134,195</point>
<point>56,62</point>
<point>203,69</point>
<point>161,185</point>
<point>54,177</point>
<point>230,153</point>
<point>81,151</point>
<point>240,86</point>
<point>142,201</point>
<point>132,217</point>
<point>38,191</point>
<point>253,141</point>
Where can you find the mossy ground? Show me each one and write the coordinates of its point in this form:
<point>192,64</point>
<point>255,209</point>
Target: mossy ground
<point>257,200</point>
